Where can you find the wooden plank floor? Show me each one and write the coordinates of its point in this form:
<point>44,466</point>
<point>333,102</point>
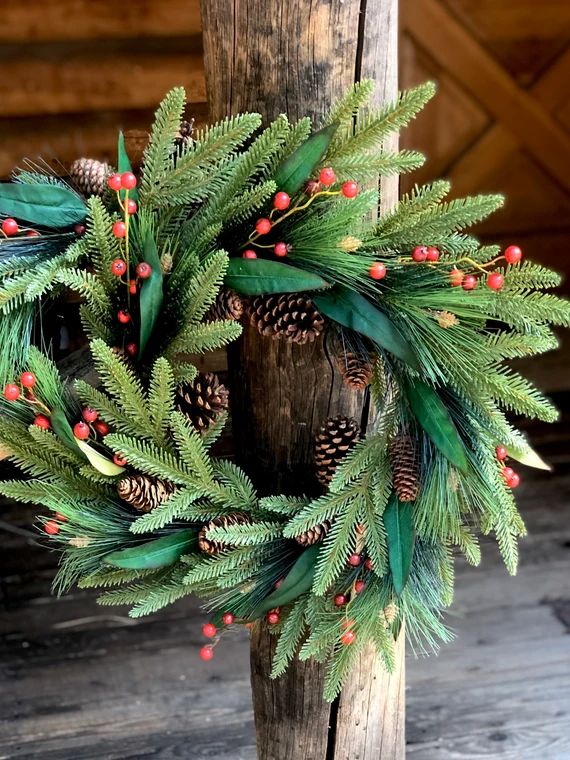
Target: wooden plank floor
<point>79,681</point>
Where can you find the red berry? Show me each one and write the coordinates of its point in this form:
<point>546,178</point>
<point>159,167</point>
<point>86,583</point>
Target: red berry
<point>89,414</point>
<point>11,392</point>
<point>327,177</point>
<point>131,207</point>
<point>339,600</point>
<point>368,564</point>
<point>420,253</point>
<point>133,287</point>
<point>263,226</point>
<point>456,277</point>
<point>312,187</point>
<point>79,229</point>
<point>209,630</point>
<point>119,267</point>
<point>514,481</point>
<point>51,528</point>
<point>432,253</point>
<point>469,282</point>
<point>501,453</point>
<point>32,233</point>
<point>349,189</point>
<point>119,460</point>
<point>348,637</point>
<point>114,181</point>
<point>359,586</point>
<point>495,281</point>
<point>206,653</point>
<point>346,623</point>
<point>124,317</point>
<point>132,349</point>
<point>354,560</point>
<point>279,582</point>
<point>281,249</point>
<point>144,270</point>
<point>119,229</point>
<point>377,271</point>
<point>273,618</point>
<point>10,227</point>
<point>281,201</point>
<point>249,254</point>
<point>513,254</point>
<point>81,431</point>
<point>228,618</point>
<point>101,427</point>
<point>60,517</point>
<point>507,473</point>
<point>28,379</point>
<point>42,422</point>
<point>128,180</point>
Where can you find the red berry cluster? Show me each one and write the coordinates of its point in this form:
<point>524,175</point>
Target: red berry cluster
<point>52,527</point>
<point>91,424</point>
<point>209,630</point>
<point>512,478</point>
<point>24,392</point>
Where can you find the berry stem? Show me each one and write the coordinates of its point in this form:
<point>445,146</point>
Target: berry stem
<point>127,252</point>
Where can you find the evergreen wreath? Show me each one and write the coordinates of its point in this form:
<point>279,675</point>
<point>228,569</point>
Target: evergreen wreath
<point>275,227</point>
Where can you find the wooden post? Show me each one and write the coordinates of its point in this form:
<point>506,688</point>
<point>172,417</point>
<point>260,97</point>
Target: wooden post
<point>298,56</point>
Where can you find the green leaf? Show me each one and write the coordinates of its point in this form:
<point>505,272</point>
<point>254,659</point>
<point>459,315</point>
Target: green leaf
<point>297,581</point>
<point>63,430</point>
<point>434,417</point>
<point>124,165</point>
<point>529,457</point>
<point>154,554</point>
<point>46,205</point>
<point>254,277</point>
<point>151,294</point>
<point>98,461</point>
<point>299,166</point>
<point>400,536</point>
<point>352,310</point>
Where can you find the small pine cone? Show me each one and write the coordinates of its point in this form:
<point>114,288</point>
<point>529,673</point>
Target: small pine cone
<point>143,492</point>
<point>292,316</point>
<point>203,400</point>
<point>390,613</point>
<point>337,435</point>
<point>208,545</point>
<point>89,176</point>
<point>228,305</point>
<point>184,135</point>
<point>405,467</point>
<point>356,370</point>
<point>314,534</point>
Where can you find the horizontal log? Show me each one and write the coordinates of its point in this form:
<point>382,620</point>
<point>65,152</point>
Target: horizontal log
<point>56,20</point>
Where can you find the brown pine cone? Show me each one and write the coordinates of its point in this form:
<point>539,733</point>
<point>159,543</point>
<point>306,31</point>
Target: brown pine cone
<point>208,545</point>
<point>292,316</point>
<point>356,370</point>
<point>183,136</point>
<point>314,534</point>
<point>143,492</point>
<point>203,400</point>
<point>89,176</point>
<point>405,467</point>
<point>336,436</point>
<point>228,305</point>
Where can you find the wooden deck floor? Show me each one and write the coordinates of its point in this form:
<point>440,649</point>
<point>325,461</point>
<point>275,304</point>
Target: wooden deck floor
<point>79,681</point>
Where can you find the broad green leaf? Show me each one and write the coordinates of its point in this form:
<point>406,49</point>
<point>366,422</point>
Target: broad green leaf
<point>124,165</point>
<point>151,294</point>
<point>352,310</point>
<point>529,457</point>
<point>154,554</point>
<point>298,167</point>
<point>254,277</point>
<point>63,430</point>
<point>297,581</point>
<point>400,536</point>
<point>45,205</point>
<point>434,417</point>
<point>98,461</point>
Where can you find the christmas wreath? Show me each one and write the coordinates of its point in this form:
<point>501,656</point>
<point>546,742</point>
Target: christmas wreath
<point>278,227</point>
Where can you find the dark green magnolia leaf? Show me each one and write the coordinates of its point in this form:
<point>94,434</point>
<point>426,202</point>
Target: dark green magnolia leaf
<point>154,554</point>
<point>151,294</point>
<point>124,165</point>
<point>434,417</point>
<point>254,277</point>
<point>350,309</point>
<point>63,430</point>
<point>401,537</point>
<point>298,167</point>
<point>45,205</point>
<point>297,581</point>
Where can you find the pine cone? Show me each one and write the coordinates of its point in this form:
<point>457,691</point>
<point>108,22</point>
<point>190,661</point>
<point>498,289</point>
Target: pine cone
<point>203,400</point>
<point>314,534</point>
<point>184,136</point>
<point>228,305</point>
<point>337,435</point>
<point>89,176</point>
<point>208,545</point>
<point>405,467</point>
<point>356,370</point>
<point>292,316</point>
<point>143,492</point>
